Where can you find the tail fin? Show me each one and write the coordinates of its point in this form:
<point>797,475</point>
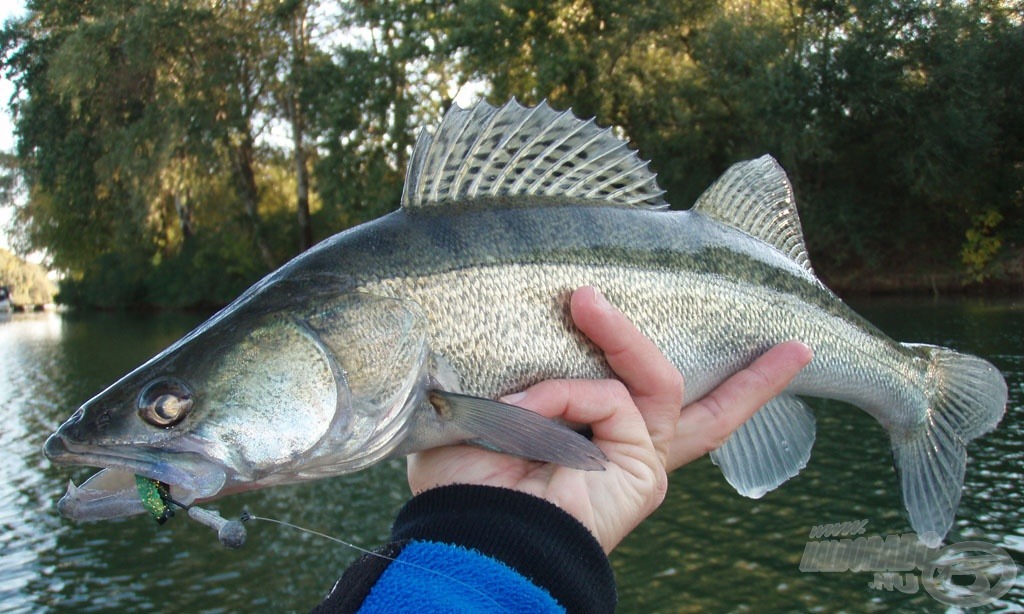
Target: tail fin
<point>968,398</point>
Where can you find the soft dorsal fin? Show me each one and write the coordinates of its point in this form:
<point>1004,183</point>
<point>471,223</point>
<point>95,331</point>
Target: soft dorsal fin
<point>755,196</point>
<point>518,151</point>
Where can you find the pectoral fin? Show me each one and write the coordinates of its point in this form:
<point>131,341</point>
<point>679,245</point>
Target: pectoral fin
<point>513,430</point>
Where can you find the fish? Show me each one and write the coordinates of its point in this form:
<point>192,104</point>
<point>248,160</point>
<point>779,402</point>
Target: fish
<point>398,335</point>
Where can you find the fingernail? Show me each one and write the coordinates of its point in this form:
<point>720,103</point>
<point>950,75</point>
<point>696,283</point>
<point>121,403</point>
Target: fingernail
<point>512,399</point>
<point>601,301</point>
<point>810,352</point>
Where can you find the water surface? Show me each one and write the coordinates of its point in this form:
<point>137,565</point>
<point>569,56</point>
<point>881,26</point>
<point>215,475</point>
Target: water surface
<point>706,549</point>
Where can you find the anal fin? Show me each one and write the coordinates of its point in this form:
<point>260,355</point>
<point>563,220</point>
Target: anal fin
<point>771,447</point>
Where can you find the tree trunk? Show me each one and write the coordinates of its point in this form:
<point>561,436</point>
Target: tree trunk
<point>183,208</point>
<point>247,191</point>
<point>302,184</point>
<point>300,37</point>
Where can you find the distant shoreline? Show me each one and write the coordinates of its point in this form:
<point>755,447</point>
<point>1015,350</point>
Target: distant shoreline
<point>938,283</point>
<point>846,286</point>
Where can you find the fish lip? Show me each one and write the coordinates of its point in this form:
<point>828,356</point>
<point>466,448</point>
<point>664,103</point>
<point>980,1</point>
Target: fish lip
<point>190,477</point>
<point>82,503</point>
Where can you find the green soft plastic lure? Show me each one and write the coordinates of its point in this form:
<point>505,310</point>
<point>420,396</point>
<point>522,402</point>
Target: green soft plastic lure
<point>154,497</point>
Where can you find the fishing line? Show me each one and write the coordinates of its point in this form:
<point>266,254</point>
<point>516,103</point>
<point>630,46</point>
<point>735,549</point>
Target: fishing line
<point>246,516</point>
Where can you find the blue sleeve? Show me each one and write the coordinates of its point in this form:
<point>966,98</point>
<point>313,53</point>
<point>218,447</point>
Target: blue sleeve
<point>435,577</point>
<point>477,548</point>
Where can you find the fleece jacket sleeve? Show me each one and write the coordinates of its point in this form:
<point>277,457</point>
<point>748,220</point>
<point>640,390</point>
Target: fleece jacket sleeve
<point>476,548</point>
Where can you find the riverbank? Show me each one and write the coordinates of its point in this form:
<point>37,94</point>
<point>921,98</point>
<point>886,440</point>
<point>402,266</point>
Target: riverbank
<point>921,284</point>
<point>1005,278</point>
<point>847,285</point>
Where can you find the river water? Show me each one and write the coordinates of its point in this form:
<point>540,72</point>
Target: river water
<point>705,549</point>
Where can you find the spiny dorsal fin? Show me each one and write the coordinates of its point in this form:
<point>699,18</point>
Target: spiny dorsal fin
<point>517,151</point>
<point>755,196</point>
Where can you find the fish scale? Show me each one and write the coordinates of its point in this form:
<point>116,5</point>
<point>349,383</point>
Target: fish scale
<point>657,302</point>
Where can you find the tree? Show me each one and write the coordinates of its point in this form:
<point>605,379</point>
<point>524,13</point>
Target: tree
<point>294,17</point>
<point>895,121</point>
<point>912,102</point>
<point>128,115</point>
<point>147,130</point>
<point>28,282</point>
<point>387,78</point>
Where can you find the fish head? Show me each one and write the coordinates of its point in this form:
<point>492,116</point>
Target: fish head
<point>266,392</point>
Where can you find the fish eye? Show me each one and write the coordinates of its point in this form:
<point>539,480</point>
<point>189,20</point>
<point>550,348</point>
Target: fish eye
<point>165,402</point>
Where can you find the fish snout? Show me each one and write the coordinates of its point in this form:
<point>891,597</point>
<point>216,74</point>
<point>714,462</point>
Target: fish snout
<point>54,448</point>
<point>71,431</point>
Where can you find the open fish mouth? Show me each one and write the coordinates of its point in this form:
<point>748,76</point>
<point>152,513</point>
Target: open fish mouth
<point>112,492</point>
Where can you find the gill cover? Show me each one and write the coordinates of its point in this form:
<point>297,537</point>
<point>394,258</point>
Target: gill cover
<point>377,350</point>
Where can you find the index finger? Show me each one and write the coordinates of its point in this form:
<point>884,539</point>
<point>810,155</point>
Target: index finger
<point>654,383</point>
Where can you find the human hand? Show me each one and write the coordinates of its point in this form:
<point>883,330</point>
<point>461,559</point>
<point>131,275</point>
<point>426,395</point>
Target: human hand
<point>636,422</point>
<point>705,424</point>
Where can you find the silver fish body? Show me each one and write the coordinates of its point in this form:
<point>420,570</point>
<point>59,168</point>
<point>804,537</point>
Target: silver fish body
<point>333,362</point>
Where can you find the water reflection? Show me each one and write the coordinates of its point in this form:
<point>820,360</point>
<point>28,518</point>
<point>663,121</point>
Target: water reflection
<point>706,549</point>
<point>27,529</point>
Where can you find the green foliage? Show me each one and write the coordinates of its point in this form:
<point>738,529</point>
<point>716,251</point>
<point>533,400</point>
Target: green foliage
<point>169,153</point>
<point>208,272</point>
<point>370,99</point>
<point>983,243</point>
<point>898,123</point>
<point>110,281</point>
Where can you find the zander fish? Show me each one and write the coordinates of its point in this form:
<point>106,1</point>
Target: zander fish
<point>392,336</point>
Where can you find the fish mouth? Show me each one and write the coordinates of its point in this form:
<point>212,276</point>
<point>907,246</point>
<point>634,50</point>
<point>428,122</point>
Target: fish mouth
<point>112,493</point>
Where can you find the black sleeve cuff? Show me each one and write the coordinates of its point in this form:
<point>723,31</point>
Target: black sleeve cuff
<point>533,536</point>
